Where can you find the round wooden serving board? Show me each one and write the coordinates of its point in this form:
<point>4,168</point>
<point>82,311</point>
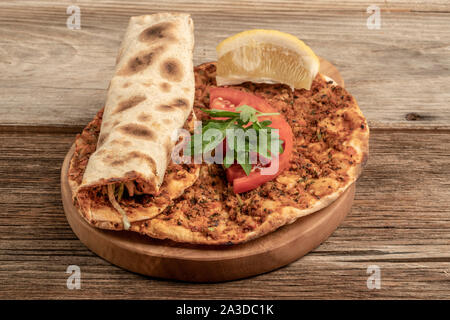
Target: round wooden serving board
<point>196,263</point>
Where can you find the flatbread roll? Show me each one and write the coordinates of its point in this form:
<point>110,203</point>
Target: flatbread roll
<point>149,98</point>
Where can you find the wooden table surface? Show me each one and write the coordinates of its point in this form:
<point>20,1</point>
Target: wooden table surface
<point>54,79</point>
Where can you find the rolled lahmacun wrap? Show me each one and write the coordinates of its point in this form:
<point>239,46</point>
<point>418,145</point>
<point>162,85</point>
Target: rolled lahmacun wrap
<point>149,98</point>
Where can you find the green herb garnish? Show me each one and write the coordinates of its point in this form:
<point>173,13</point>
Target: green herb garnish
<point>236,127</point>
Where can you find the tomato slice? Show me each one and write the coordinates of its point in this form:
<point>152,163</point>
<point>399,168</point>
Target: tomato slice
<point>234,171</point>
<point>232,95</point>
<point>227,99</point>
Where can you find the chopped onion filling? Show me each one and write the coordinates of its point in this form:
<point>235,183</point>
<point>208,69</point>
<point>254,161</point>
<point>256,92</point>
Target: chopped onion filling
<point>115,204</point>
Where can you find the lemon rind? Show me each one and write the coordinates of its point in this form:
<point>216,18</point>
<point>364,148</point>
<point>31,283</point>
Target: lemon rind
<point>277,38</point>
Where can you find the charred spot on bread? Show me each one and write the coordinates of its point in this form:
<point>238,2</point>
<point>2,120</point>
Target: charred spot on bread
<point>129,103</point>
<point>138,131</point>
<point>164,108</point>
<point>144,117</point>
<point>140,61</point>
<point>132,156</point>
<point>160,31</point>
<point>165,87</point>
<point>145,157</point>
<point>177,103</point>
<point>180,103</point>
<point>124,143</point>
<point>172,70</point>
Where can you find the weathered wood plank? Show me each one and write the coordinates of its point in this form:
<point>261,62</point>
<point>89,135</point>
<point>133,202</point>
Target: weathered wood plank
<point>400,221</point>
<point>56,77</point>
<point>247,7</point>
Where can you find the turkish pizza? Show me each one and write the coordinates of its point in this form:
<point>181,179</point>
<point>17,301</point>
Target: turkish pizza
<point>324,144</point>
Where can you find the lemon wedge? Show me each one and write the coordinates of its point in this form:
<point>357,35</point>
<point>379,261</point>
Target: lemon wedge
<point>267,56</point>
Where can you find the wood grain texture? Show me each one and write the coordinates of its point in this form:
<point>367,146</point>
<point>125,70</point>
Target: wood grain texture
<point>398,73</point>
<point>54,80</point>
<point>399,221</point>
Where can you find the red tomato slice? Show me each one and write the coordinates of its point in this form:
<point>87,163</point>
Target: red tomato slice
<point>232,95</point>
<point>235,174</point>
<point>234,171</point>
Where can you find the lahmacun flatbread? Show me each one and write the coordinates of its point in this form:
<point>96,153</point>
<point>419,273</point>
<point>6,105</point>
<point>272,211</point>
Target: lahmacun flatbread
<point>331,143</point>
<point>149,97</point>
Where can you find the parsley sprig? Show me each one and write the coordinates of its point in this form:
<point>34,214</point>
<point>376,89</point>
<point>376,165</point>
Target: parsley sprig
<point>245,119</point>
